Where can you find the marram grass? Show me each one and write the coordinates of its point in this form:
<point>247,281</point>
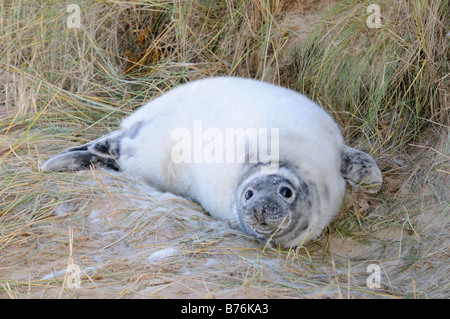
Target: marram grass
<point>386,83</point>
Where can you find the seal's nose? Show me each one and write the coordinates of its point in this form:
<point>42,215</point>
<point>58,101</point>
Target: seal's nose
<point>260,220</point>
<point>266,214</point>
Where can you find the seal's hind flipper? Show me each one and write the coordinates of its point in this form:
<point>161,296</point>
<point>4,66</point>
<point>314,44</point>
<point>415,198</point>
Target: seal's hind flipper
<point>360,170</point>
<point>103,152</point>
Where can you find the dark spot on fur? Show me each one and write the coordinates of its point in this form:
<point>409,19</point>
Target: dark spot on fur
<point>76,149</point>
<point>304,226</point>
<point>304,194</point>
<point>133,131</point>
<point>108,148</point>
<point>110,164</point>
<point>102,147</point>
<point>326,193</point>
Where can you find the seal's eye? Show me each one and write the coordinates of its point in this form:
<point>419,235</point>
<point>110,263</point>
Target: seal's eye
<point>286,192</point>
<point>248,194</point>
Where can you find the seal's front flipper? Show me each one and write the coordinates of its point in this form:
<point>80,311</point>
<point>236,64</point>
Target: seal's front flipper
<point>360,170</point>
<point>103,152</point>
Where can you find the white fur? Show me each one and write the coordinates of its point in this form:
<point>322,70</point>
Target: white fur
<point>309,139</point>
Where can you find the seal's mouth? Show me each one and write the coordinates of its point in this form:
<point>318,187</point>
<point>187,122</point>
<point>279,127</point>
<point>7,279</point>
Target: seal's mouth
<point>266,229</point>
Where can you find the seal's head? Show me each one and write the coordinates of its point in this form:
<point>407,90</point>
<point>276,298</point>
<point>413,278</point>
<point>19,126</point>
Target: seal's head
<point>274,206</point>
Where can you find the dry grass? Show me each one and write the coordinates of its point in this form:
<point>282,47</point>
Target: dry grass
<point>60,87</point>
<point>388,83</point>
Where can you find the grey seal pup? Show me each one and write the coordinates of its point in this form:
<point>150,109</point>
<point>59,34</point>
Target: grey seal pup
<point>264,157</point>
